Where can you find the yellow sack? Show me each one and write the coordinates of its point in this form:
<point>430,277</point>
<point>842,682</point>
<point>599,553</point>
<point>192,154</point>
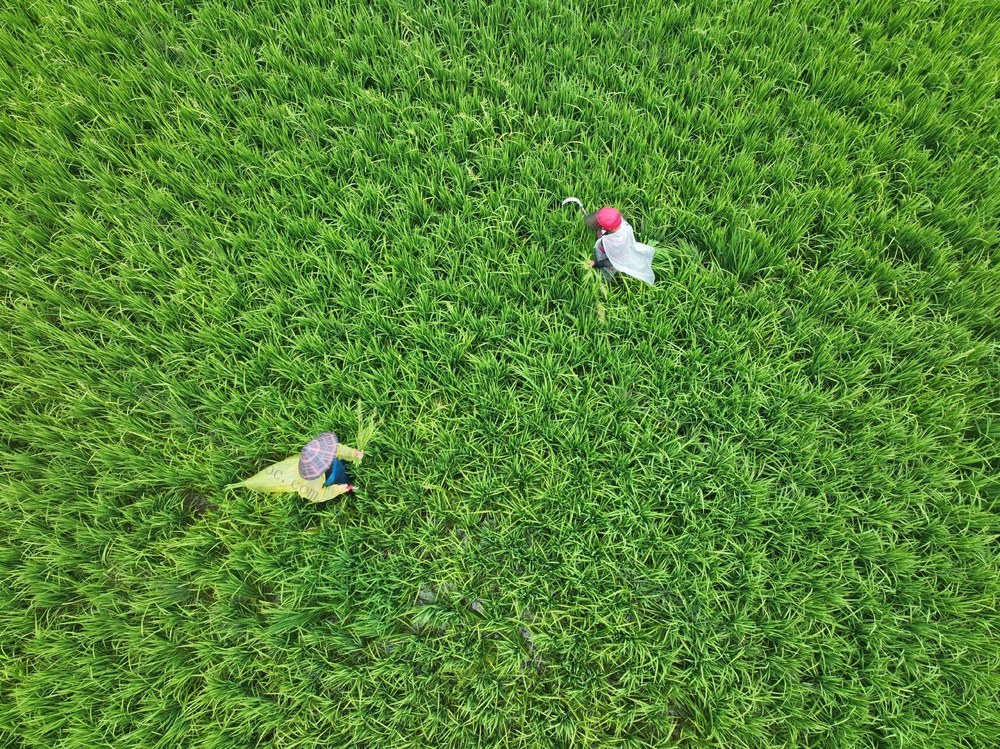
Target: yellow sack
<point>277,477</point>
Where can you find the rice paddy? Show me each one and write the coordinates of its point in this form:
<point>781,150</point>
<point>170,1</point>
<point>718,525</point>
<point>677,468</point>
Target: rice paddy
<point>752,506</point>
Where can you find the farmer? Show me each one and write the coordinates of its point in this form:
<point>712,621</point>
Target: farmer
<point>322,457</point>
<point>318,473</point>
<point>616,249</point>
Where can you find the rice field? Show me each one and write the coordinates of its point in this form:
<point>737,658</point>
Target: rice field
<point>752,506</point>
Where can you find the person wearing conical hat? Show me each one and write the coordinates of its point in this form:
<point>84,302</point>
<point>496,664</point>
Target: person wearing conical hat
<point>318,473</point>
<point>324,456</point>
<point>616,249</point>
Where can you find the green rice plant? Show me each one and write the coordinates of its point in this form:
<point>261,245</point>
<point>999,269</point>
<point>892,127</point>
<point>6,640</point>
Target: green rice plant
<point>752,506</point>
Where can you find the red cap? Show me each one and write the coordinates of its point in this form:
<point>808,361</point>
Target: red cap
<point>609,218</point>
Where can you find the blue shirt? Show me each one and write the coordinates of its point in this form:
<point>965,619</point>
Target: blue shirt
<point>337,474</point>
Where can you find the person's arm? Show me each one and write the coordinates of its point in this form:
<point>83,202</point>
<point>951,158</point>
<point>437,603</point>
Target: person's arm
<point>349,453</point>
<point>602,260</point>
<point>334,490</point>
<point>314,490</point>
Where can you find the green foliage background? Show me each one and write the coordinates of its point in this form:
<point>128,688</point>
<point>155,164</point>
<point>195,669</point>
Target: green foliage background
<point>754,506</point>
